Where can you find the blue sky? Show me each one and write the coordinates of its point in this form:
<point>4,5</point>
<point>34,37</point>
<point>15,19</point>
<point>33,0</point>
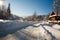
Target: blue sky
<point>25,8</point>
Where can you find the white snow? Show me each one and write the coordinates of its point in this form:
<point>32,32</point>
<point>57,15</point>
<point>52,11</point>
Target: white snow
<point>56,26</point>
<point>38,31</point>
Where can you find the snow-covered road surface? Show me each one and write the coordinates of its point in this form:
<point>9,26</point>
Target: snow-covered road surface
<point>8,27</point>
<point>39,31</point>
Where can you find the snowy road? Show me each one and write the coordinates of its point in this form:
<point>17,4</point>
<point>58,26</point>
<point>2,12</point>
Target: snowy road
<point>12,26</point>
<point>27,31</point>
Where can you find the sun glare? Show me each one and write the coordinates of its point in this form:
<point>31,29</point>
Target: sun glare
<point>1,2</point>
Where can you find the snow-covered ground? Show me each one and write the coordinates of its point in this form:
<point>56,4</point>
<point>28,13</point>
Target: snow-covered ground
<point>30,31</point>
<point>8,26</point>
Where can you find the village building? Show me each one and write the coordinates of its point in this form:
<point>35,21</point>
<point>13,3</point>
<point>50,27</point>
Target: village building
<point>55,15</point>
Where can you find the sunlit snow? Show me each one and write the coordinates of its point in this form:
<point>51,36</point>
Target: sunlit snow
<point>31,31</point>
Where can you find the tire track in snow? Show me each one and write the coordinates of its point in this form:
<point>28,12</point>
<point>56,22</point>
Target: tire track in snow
<point>54,32</point>
<point>45,34</point>
<point>53,37</point>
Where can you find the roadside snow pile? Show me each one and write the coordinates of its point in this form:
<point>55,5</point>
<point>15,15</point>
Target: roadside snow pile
<point>4,21</point>
<point>1,20</point>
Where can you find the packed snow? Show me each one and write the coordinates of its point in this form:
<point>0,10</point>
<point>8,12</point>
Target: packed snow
<point>18,30</point>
